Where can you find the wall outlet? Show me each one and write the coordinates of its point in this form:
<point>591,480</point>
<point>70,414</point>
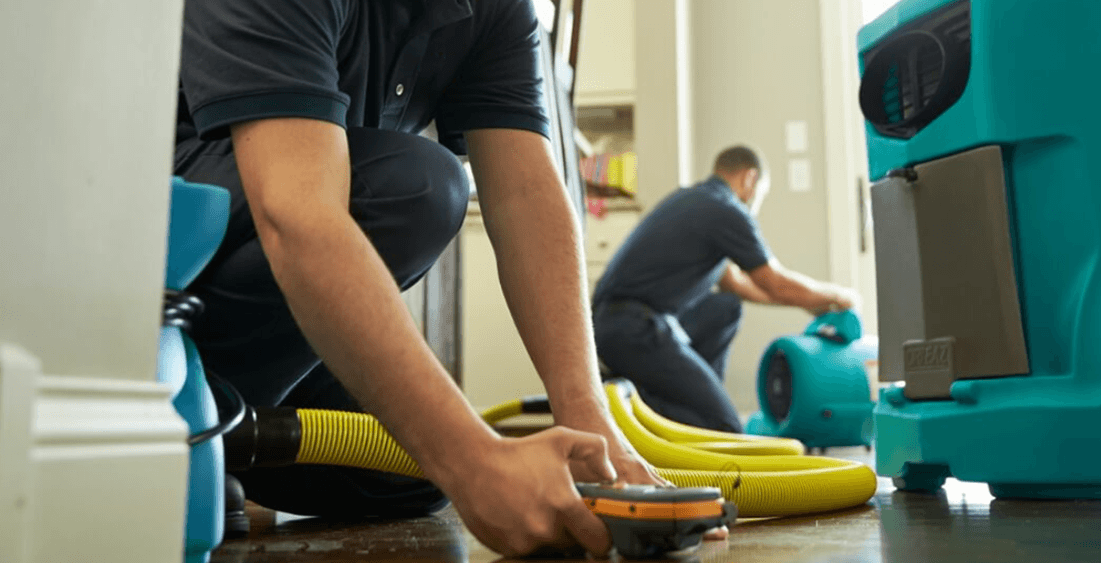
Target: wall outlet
<point>799,174</point>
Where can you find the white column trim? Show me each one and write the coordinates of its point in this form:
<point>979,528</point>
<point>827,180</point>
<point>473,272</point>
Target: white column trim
<point>838,66</point>
<point>682,17</point>
<point>84,463</point>
<point>79,412</point>
<point>18,374</point>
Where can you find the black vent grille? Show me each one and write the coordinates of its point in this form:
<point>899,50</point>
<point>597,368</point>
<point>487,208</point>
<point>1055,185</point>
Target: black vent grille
<point>918,71</point>
<point>778,386</point>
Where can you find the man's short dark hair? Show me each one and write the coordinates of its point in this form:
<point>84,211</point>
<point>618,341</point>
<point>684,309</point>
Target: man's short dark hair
<point>736,159</point>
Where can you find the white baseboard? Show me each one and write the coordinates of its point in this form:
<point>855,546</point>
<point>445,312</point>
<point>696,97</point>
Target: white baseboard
<point>105,473</point>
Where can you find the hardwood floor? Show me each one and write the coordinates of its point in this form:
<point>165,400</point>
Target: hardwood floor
<point>962,523</point>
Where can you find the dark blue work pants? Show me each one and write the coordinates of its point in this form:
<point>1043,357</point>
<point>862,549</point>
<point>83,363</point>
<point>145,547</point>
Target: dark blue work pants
<point>409,194</point>
<point>676,362</point>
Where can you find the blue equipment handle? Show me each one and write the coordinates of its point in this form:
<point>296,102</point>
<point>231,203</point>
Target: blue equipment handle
<point>842,327</point>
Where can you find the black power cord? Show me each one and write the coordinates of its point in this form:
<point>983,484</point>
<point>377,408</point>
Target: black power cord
<point>179,310</point>
<point>237,408</point>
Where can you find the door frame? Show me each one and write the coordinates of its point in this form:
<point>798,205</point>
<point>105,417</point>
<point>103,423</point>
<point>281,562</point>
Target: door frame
<point>851,251</point>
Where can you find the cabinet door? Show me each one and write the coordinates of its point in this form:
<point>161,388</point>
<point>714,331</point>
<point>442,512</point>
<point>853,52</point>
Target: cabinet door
<point>495,364</point>
<point>606,54</point>
<point>606,234</point>
<point>603,238</point>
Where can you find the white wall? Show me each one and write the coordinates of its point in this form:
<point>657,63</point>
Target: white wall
<point>94,455</point>
<point>756,65</point>
<point>663,98</point>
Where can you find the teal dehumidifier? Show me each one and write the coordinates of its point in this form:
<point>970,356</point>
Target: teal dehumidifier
<point>981,133</point>
<point>814,386</point>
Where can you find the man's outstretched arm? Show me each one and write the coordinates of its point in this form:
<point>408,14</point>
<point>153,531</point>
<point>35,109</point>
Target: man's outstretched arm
<point>514,495</point>
<point>787,287</point>
<point>536,238</point>
<point>735,281</point>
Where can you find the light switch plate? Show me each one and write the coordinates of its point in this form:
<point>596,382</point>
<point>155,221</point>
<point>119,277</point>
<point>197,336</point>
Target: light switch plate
<point>799,174</point>
<point>796,136</point>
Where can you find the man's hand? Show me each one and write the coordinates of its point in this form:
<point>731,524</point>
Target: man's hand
<point>843,299</point>
<point>518,495</point>
<point>634,470</point>
<point>629,465</point>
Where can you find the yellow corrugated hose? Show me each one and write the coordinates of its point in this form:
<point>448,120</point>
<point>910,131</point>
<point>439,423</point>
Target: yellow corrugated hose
<point>761,485</point>
<point>711,440</point>
<point>351,440</point>
<point>745,468</point>
<point>493,415</point>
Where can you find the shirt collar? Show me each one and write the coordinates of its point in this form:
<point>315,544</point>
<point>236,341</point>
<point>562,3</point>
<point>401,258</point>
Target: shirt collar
<point>716,181</point>
<point>443,12</point>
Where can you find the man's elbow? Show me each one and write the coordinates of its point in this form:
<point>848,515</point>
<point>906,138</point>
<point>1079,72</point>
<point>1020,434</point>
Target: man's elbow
<point>281,226</point>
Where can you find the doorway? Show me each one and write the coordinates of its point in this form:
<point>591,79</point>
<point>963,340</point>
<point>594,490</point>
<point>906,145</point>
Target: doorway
<point>852,247</point>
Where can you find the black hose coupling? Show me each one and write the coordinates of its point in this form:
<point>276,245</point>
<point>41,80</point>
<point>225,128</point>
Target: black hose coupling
<point>267,437</point>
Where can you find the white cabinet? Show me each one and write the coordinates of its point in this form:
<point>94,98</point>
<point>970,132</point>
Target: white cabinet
<point>495,365</point>
<point>603,238</point>
<point>606,55</point>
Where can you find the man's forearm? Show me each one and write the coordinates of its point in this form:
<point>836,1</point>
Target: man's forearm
<point>347,304</point>
<point>737,282</point>
<point>350,310</point>
<point>803,291</point>
<point>537,243</point>
<point>296,177</point>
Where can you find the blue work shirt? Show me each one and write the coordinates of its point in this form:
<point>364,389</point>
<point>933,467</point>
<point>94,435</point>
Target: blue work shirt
<point>387,64</point>
<point>677,253</point>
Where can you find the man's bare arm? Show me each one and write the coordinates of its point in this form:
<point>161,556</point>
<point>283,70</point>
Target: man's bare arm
<point>536,238</point>
<point>296,176</point>
<point>787,287</point>
<point>735,281</point>
<point>515,495</point>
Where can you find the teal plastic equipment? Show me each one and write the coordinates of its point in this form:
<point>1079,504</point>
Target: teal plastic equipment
<point>199,215</point>
<point>814,386</point>
<point>1026,87</point>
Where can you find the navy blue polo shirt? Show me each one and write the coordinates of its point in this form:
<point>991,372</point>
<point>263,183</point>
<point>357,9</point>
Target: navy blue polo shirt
<point>677,253</point>
<point>386,64</point>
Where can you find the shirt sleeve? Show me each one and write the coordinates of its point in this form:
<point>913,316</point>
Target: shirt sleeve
<point>738,237</point>
<point>253,59</point>
<point>500,85</point>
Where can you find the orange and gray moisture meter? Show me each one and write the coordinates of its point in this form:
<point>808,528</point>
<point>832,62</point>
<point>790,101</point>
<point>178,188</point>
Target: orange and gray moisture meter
<point>646,521</point>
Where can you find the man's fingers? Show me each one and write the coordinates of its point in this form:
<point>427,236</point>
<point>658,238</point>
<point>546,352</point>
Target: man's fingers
<point>662,481</point>
<point>589,449</point>
<point>587,528</point>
